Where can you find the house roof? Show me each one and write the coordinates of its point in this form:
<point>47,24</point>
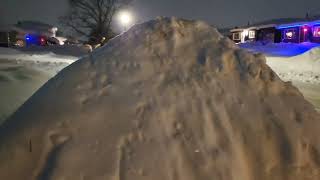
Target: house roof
<point>302,23</point>
<point>253,27</point>
<point>34,26</point>
<point>280,23</point>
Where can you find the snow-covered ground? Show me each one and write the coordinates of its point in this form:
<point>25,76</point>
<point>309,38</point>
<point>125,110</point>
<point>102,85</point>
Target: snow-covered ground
<point>24,71</point>
<point>298,63</point>
<point>302,68</point>
<point>36,56</point>
<point>17,83</point>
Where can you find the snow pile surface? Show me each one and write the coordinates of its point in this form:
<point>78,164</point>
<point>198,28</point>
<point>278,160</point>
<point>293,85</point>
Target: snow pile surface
<point>169,99</point>
<point>303,68</point>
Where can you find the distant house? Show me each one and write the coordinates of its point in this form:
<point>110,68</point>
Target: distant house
<point>4,37</point>
<point>33,27</point>
<point>308,31</point>
<point>262,33</point>
<point>294,32</point>
<point>32,32</point>
<point>7,36</point>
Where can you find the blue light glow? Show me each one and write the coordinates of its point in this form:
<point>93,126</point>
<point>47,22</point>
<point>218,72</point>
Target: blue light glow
<point>28,38</point>
<point>297,25</point>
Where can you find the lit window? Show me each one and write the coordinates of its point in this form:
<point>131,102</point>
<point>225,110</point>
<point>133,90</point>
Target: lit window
<point>316,31</point>
<point>236,36</point>
<point>252,34</point>
<point>290,34</point>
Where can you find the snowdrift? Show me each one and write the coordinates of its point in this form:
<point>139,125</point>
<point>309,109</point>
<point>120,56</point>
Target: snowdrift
<point>17,84</point>
<point>169,99</point>
<point>304,67</point>
<point>45,54</point>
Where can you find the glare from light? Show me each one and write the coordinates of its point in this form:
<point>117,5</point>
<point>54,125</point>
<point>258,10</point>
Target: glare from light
<point>289,34</point>
<point>125,18</point>
<point>245,32</point>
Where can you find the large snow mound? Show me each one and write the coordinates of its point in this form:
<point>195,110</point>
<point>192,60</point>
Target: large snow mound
<point>169,99</point>
<point>303,68</point>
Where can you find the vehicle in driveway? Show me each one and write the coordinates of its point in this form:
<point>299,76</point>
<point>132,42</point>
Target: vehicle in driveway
<point>34,39</point>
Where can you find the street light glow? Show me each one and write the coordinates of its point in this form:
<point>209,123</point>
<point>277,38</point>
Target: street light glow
<point>125,18</point>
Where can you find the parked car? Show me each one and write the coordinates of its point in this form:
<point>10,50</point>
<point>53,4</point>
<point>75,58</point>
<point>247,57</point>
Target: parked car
<point>53,41</point>
<point>56,41</point>
<point>32,39</point>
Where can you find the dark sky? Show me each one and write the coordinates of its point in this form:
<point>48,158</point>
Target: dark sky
<point>218,12</point>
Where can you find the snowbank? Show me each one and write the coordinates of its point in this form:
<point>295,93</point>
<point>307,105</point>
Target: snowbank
<point>304,67</point>
<point>169,99</point>
<point>35,56</point>
<point>279,49</point>
<point>17,84</point>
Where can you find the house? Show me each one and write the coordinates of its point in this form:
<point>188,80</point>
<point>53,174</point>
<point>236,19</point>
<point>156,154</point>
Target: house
<point>33,33</point>
<point>241,35</point>
<point>280,31</point>
<point>263,33</point>
<point>268,33</point>
<point>308,31</point>
<point>6,36</point>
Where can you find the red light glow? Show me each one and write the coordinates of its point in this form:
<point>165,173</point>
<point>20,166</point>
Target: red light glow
<point>318,33</point>
<point>305,29</point>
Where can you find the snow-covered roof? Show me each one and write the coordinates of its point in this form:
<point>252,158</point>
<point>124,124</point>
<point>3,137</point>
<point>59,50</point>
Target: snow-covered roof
<point>279,26</point>
<point>253,27</point>
<point>35,27</point>
<point>302,23</point>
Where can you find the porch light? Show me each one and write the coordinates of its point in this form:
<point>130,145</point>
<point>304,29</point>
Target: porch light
<point>289,34</point>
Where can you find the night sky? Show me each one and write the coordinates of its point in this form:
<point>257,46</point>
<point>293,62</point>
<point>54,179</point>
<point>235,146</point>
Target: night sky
<point>222,13</point>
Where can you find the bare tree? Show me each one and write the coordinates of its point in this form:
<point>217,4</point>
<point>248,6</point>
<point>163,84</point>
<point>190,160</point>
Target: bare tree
<point>92,18</point>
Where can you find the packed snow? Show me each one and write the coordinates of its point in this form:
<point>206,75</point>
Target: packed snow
<point>292,62</point>
<point>24,70</point>
<point>169,99</point>
<point>303,68</point>
<point>28,55</point>
<point>17,83</point>
<point>298,63</point>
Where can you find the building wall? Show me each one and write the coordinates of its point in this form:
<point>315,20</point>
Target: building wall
<point>236,34</point>
<point>266,35</point>
<point>295,35</point>
<point>315,39</point>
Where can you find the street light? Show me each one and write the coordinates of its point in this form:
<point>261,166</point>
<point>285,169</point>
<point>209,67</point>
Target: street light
<point>125,19</point>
